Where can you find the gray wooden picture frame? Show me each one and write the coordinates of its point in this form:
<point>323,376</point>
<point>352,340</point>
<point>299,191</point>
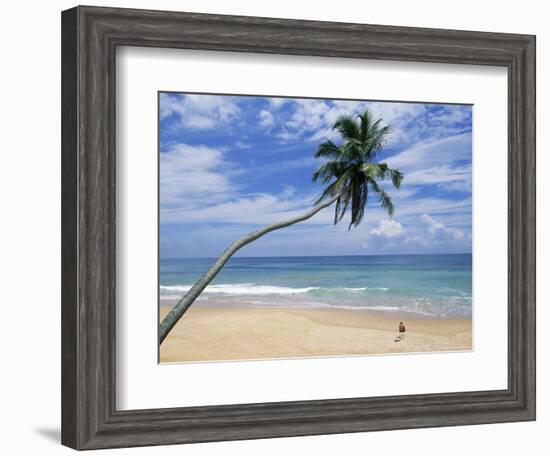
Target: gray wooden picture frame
<point>90,36</point>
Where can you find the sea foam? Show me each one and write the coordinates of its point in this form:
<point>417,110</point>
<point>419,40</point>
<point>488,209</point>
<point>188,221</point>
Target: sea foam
<point>248,289</point>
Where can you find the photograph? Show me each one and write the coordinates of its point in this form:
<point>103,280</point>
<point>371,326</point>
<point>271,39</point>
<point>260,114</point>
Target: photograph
<point>297,227</point>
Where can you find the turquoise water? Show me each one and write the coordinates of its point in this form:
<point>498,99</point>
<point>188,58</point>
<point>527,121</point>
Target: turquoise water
<point>430,285</point>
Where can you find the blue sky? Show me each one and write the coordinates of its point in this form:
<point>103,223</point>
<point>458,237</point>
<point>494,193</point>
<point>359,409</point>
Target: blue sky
<point>230,164</point>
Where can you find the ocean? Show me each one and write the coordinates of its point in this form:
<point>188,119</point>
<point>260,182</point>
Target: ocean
<point>438,286</point>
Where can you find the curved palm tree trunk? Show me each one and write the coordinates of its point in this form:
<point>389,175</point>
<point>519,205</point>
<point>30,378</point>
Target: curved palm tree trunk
<point>181,307</point>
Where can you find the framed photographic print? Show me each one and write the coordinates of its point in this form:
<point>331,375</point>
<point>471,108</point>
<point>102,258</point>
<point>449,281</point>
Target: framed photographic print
<point>311,227</point>
<point>297,293</point>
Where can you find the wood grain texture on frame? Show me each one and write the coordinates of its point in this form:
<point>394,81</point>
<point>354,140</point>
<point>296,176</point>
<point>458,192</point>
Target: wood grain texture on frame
<point>90,36</point>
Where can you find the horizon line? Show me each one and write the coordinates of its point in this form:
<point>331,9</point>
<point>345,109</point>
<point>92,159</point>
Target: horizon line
<point>318,256</point>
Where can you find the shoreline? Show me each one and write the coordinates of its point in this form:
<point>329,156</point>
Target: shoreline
<point>382,312</point>
<point>210,333</point>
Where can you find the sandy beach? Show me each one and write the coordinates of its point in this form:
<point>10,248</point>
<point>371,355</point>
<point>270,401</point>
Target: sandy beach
<point>216,334</point>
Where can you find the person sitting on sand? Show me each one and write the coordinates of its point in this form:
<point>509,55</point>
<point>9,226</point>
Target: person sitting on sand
<point>402,331</point>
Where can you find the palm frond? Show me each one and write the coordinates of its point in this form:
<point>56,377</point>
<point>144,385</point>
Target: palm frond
<point>382,171</point>
<point>329,170</point>
<point>347,127</point>
<point>387,203</point>
<point>336,187</point>
<point>328,149</point>
<point>374,170</point>
<point>358,203</point>
<point>344,207</point>
<point>385,199</point>
<point>376,141</point>
<point>396,177</point>
<point>337,210</point>
<point>365,122</point>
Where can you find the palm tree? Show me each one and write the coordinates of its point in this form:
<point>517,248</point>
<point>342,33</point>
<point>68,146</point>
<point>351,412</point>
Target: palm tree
<point>350,172</point>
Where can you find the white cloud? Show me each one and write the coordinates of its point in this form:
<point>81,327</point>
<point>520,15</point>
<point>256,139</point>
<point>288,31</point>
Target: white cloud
<point>439,232</point>
<point>409,122</point>
<point>440,152</point>
<point>445,163</point>
<point>198,185</point>
<point>396,112</point>
<point>201,112</point>
<point>277,103</point>
<point>306,162</point>
<point>230,219</point>
<point>388,229</point>
<point>289,190</point>
<point>457,178</point>
<point>286,135</point>
<point>313,119</point>
<point>243,145</point>
<point>194,173</point>
<point>450,115</point>
<point>433,205</point>
<point>267,120</point>
<point>247,210</point>
<point>403,119</point>
<point>308,115</point>
<point>422,234</point>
